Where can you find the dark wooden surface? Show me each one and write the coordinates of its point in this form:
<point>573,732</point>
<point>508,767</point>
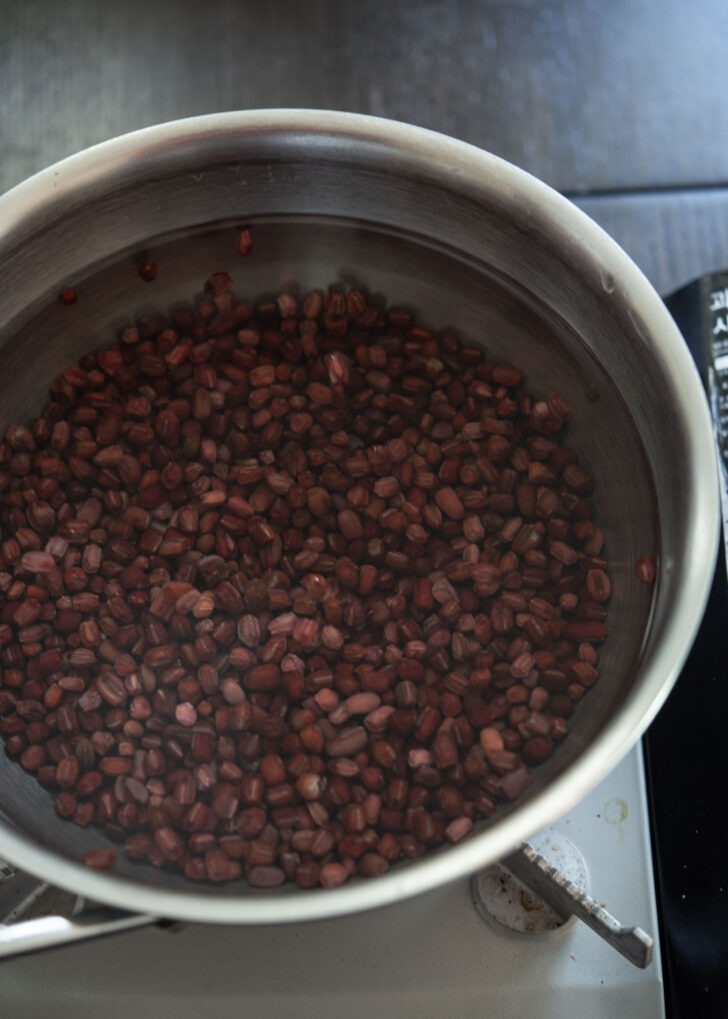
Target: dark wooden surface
<point>622,101</point>
<point>586,94</point>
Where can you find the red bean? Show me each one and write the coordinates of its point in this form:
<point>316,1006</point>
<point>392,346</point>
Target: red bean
<point>598,585</point>
<point>372,865</point>
<point>310,786</point>
<point>265,877</point>
<point>458,829</point>
<point>263,678</point>
<point>37,562</point>
<point>537,749</point>
<point>169,843</point>
<point>67,772</point>
<point>347,742</point>
<point>244,241</point>
<point>111,689</point>
<point>333,874</point>
<point>219,867</point>
<point>100,859</point>
<point>646,568</point>
<point>33,758</point>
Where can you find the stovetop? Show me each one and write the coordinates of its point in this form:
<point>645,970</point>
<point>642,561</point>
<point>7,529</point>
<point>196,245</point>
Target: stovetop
<point>429,956</point>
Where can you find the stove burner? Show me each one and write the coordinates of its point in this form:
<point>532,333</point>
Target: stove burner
<point>499,896</point>
<point>547,885</point>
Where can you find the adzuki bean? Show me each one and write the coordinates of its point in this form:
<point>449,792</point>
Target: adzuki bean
<point>292,591</point>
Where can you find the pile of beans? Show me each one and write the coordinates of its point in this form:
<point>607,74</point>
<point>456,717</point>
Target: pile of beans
<point>291,591</point>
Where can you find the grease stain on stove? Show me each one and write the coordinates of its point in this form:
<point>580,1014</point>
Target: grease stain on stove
<point>615,811</point>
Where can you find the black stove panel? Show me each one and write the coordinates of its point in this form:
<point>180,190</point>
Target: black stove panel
<point>687,765</point>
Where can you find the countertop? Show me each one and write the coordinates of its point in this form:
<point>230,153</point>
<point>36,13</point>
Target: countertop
<point>620,106</point>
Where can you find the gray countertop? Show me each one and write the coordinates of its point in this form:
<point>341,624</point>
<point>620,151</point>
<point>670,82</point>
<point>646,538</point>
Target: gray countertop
<point>621,105</point>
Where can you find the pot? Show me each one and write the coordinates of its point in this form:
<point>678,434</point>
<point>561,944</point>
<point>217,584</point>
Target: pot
<point>468,241</point>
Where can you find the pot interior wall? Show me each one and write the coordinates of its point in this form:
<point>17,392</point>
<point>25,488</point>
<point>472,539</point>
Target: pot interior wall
<point>446,289</point>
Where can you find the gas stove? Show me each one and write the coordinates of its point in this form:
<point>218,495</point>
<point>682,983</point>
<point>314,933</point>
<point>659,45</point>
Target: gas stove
<point>439,953</point>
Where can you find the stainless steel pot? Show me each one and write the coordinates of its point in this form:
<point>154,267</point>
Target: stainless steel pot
<point>466,239</point>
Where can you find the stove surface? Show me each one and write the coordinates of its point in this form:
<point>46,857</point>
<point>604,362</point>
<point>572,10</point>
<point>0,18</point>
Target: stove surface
<point>430,956</point>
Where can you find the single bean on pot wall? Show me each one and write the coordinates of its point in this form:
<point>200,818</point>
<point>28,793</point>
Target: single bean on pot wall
<point>293,591</point>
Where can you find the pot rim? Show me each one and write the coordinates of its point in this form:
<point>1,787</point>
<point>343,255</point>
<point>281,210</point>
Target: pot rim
<point>480,174</point>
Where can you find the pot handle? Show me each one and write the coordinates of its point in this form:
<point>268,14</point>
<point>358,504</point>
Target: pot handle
<point>52,931</point>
